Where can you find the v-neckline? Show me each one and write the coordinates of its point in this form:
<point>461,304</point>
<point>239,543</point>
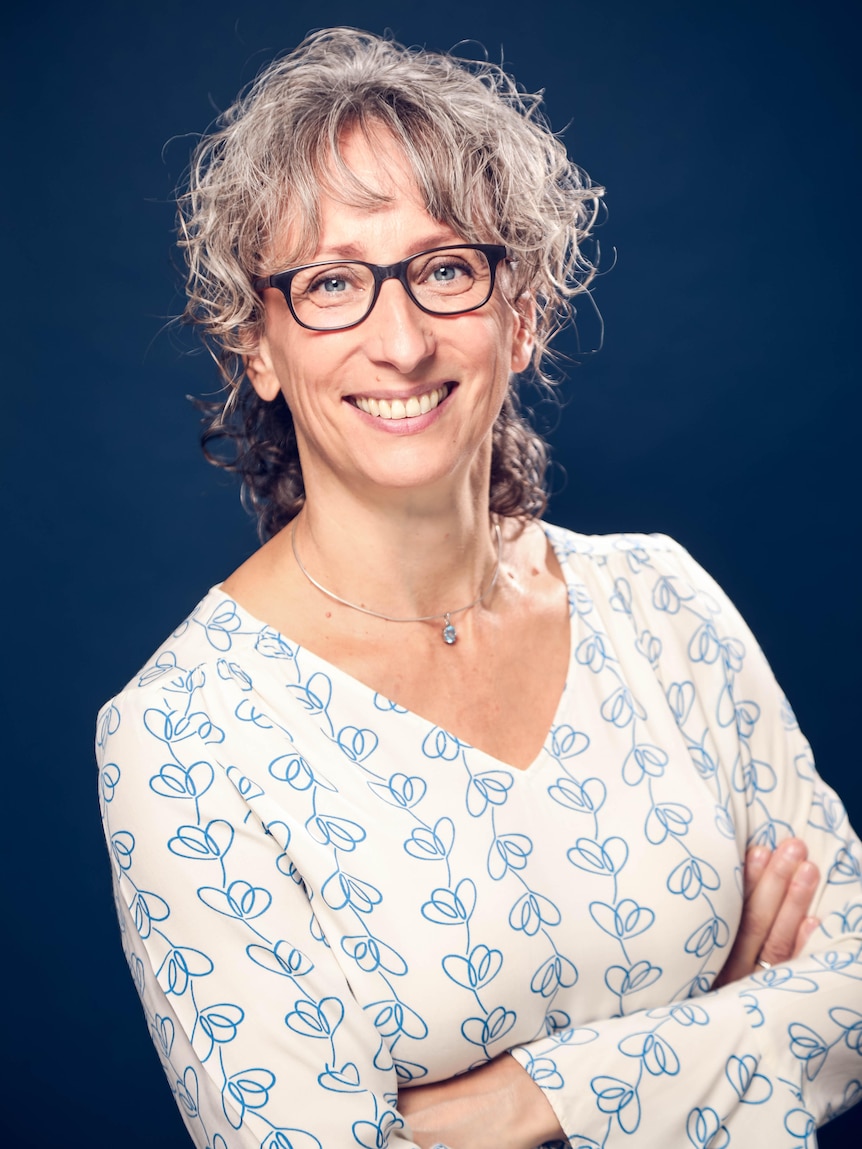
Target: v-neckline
<point>334,671</point>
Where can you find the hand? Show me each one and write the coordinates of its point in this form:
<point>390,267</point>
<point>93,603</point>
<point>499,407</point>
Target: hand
<point>778,887</point>
<point>497,1106</point>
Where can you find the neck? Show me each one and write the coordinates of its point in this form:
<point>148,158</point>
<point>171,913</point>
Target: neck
<point>409,560</point>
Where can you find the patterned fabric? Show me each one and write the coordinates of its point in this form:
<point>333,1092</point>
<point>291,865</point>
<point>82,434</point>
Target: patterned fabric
<point>325,898</point>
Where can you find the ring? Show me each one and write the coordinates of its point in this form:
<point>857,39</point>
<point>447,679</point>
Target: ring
<point>764,964</point>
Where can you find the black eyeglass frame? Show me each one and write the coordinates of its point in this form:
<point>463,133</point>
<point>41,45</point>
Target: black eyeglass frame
<point>494,253</point>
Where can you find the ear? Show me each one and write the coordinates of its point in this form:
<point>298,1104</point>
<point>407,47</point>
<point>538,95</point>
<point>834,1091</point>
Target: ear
<point>260,371</point>
<point>524,333</point>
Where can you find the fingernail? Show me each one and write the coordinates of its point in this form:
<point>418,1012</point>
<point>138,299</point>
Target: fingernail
<point>795,850</point>
<point>807,874</point>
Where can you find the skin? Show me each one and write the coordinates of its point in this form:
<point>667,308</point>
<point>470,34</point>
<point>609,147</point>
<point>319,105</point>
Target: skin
<point>414,499</point>
<point>415,503</point>
<point>779,888</point>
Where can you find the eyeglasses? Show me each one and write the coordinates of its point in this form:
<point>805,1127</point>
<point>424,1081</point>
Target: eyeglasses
<point>337,294</point>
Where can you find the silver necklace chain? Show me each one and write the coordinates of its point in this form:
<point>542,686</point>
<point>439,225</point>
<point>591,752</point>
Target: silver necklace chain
<point>449,634</point>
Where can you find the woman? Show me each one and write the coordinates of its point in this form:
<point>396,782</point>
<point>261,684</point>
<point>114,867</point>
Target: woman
<point>428,824</point>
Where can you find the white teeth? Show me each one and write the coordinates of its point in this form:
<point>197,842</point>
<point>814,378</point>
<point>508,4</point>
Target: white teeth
<point>399,409</point>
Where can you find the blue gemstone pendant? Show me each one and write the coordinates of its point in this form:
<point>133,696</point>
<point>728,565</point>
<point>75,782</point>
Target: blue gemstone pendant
<point>449,633</point>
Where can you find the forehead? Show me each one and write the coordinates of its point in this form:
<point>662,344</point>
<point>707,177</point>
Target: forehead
<point>375,161</point>
<point>369,205</point>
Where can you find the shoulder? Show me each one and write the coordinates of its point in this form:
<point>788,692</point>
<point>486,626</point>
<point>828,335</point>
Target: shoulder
<point>623,553</point>
<point>602,547</point>
<point>188,643</point>
<point>209,649</point>
<point>640,577</point>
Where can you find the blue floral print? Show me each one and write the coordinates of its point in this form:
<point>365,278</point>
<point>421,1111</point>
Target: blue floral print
<point>325,899</point>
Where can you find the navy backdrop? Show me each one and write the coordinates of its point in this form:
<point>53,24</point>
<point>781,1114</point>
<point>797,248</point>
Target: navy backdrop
<point>723,409</point>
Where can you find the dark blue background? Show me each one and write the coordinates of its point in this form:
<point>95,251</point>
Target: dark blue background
<point>723,409</point>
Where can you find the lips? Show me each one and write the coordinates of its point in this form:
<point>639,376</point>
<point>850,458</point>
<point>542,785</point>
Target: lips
<point>403,408</point>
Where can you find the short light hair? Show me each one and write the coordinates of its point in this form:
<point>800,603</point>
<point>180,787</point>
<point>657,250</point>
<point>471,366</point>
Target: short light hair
<point>485,162</point>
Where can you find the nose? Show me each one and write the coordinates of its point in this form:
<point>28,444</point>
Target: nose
<point>398,332</point>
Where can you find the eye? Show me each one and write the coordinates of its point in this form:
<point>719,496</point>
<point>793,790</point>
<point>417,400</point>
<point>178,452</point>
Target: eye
<point>447,273</point>
<point>330,283</point>
<point>330,286</point>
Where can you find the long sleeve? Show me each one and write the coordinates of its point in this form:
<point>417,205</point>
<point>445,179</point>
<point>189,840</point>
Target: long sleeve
<point>260,1037</point>
<point>766,1059</point>
<point>326,899</point>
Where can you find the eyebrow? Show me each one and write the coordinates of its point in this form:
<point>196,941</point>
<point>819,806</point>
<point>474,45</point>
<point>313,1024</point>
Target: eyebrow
<point>351,250</point>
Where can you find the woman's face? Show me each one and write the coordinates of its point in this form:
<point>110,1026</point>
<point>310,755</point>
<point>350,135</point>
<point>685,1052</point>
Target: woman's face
<point>333,380</point>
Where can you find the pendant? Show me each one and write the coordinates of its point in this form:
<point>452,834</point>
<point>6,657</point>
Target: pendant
<point>449,633</point>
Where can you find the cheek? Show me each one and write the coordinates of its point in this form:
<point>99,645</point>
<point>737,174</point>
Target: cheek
<point>299,374</point>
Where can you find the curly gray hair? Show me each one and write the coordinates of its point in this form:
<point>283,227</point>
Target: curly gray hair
<point>486,163</point>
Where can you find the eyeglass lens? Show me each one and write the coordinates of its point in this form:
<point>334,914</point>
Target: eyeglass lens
<point>339,294</point>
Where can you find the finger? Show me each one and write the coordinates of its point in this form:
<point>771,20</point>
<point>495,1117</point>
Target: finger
<point>781,942</point>
<point>764,903</point>
<point>763,893</point>
<point>808,927</point>
<point>756,861</point>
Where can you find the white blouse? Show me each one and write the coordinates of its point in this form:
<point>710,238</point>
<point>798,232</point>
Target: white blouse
<point>325,898</point>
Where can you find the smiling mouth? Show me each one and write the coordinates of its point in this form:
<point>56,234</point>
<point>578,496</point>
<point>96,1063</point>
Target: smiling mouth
<point>403,408</point>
